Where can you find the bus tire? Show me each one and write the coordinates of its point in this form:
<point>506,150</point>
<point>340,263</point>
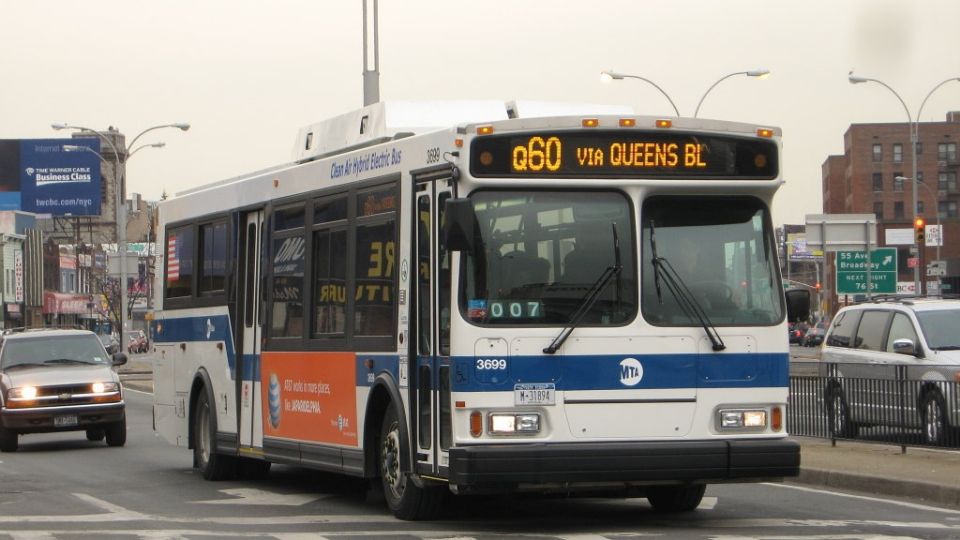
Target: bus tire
<point>405,499</point>
<point>212,466</point>
<point>676,498</point>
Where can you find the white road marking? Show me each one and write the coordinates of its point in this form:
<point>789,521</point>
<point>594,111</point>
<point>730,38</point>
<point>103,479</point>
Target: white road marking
<point>866,498</point>
<point>252,496</point>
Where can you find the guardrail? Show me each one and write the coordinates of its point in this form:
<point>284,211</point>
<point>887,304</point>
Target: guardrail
<point>895,404</point>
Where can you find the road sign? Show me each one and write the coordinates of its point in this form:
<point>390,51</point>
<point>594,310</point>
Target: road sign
<point>937,268</point>
<point>852,271</point>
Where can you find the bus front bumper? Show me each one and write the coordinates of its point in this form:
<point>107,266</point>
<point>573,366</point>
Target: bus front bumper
<point>621,463</point>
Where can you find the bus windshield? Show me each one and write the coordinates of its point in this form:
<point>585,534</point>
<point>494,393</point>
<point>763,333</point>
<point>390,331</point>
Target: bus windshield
<point>539,254</point>
<point>722,250</point>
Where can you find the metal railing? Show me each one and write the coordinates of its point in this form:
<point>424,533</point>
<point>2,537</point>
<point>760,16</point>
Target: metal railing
<point>885,403</point>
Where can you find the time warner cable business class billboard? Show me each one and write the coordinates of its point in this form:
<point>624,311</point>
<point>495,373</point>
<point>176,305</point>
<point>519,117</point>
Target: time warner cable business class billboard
<point>38,175</point>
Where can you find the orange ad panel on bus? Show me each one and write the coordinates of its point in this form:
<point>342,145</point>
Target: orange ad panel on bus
<point>310,396</point>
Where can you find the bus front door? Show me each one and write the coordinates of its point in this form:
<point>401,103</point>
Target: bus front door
<point>430,377</point>
<point>248,357</point>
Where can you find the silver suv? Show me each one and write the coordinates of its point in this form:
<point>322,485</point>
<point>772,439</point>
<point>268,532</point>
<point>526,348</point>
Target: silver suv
<point>894,363</point>
<point>59,380</point>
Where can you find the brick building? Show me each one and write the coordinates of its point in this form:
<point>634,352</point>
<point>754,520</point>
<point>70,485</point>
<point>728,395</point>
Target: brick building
<point>864,181</point>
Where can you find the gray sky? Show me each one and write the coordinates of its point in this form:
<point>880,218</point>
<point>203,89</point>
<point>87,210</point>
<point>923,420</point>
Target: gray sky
<point>248,74</point>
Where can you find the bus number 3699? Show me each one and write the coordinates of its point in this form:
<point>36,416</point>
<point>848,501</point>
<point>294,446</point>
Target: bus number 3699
<point>491,363</point>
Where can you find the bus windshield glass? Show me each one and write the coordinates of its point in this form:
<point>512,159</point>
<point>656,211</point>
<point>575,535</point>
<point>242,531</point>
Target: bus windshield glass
<point>539,254</point>
<point>722,251</point>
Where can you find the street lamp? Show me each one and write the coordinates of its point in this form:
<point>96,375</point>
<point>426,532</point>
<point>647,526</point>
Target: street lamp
<point>607,76</point>
<point>914,126</point>
<point>119,202</point>
<point>759,73</point>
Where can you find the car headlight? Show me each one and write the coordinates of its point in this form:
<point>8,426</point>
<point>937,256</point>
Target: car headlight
<point>104,388</point>
<point>23,392</point>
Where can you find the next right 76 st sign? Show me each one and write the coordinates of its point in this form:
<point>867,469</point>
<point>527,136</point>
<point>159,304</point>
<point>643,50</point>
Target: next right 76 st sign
<point>852,271</point>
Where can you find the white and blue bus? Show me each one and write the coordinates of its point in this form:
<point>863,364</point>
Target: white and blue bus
<point>555,303</point>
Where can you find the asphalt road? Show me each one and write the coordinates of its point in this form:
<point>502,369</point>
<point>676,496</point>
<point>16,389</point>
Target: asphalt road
<point>60,486</point>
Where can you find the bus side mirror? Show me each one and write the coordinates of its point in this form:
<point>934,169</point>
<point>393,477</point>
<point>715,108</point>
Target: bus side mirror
<point>798,305</point>
<point>459,225</point>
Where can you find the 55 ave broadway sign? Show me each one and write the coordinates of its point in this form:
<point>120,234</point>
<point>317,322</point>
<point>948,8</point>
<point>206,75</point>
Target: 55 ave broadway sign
<point>852,271</point>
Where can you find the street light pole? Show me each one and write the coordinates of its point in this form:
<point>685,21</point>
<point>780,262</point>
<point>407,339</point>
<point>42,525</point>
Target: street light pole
<point>121,208</point>
<point>760,73</point>
<point>914,127</point>
<point>936,207</point>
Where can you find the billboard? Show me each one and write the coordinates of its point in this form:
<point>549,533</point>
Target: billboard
<point>46,176</point>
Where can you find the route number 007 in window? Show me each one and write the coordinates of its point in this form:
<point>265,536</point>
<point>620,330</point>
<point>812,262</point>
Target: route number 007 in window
<point>515,310</point>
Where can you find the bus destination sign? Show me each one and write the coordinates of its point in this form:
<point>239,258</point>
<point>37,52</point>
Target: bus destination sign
<point>623,154</point>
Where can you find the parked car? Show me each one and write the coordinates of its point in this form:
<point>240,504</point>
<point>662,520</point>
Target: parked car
<point>59,380</point>
<point>137,342</point>
<point>814,337</point>
<point>894,363</point>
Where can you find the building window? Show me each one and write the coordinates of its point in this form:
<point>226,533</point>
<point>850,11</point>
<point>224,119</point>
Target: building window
<point>877,181</point>
<point>948,181</point>
<point>919,148</point>
<point>919,208</point>
<point>878,152</point>
<point>919,177</point>
<point>878,210</point>
<point>947,209</point>
<point>947,152</point>
<point>897,153</point>
<point>898,210</point>
<point>897,181</point>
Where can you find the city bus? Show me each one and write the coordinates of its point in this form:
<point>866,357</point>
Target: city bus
<point>479,297</point>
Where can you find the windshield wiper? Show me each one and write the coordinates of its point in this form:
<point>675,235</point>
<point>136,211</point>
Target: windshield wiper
<point>947,348</point>
<point>591,297</point>
<point>64,361</point>
<point>662,269</point>
<point>21,365</point>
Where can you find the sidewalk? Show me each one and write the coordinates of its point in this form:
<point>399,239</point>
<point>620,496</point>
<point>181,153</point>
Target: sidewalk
<point>919,475</point>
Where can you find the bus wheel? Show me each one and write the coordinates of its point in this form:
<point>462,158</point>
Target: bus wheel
<point>675,498</point>
<point>405,499</point>
<point>212,466</point>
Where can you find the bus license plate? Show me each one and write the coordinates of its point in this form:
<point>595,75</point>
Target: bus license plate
<point>65,420</point>
<point>534,394</point>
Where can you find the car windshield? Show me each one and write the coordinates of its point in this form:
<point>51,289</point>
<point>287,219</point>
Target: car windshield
<point>940,328</point>
<point>541,253</point>
<point>722,249</point>
<point>47,350</point>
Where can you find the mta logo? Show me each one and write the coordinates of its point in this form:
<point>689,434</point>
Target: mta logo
<point>631,372</point>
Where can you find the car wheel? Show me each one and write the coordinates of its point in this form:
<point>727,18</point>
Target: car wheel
<point>405,499</point>
<point>933,413</point>
<point>212,466</point>
<point>675,498</point>
<point>116,433</point>
<point>95,435</point>
<point>839,416</point>
<point>8,440</point>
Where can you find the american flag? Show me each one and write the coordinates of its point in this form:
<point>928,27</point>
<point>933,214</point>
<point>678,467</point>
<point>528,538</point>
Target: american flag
<point>173,262</point>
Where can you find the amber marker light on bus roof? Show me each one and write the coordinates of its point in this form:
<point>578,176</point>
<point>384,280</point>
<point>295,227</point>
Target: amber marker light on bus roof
<point>627,122</point>
<point>590,122</point>
<point>484,130</point>
<point>664,123</point>
<point>764,132</point>
<point>458,143</point>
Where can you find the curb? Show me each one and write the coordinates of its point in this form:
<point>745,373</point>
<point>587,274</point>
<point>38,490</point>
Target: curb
<point>871,485</point>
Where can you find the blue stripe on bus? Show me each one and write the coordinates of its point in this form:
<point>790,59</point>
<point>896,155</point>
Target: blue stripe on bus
<point>659,371</point>
<point>209,328</point>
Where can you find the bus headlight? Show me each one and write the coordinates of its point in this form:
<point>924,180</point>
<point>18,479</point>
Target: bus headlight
<point>742,419</point>
<point>514,423</point>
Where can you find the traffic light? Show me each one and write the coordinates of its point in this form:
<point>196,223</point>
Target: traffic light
<point>919,227</point>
